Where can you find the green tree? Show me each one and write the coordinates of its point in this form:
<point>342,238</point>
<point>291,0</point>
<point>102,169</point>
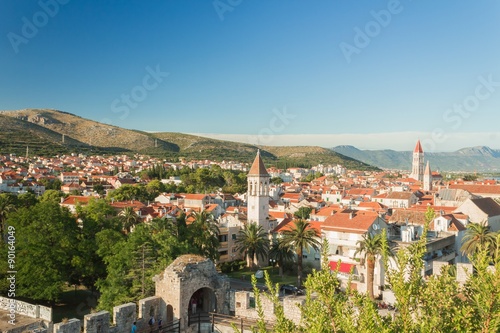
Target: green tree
<point>476,236</point>
<point>281,254</point>
<point>276,180</point>
<point>46,238</point>
<point>253,242</point>
<point>52,196</point>
<point>94,217</point>
<point>26,200</point>
<point>370,247</point>
<point>131,262</point>
<point>7,206</point>
<point>434,304</point>
<point>303,213</point>
<point>301,236</point>
<point>204,235</point>
<point>99,189</point>
<point>129,219</point>
<point>154,188</point>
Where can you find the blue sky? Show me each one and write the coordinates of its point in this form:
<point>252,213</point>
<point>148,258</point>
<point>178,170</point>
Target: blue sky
<point>374,74</point>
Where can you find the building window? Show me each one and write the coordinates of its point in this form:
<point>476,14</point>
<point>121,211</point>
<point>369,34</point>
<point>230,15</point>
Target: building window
<point>233,236</point>
<point>304,256</point>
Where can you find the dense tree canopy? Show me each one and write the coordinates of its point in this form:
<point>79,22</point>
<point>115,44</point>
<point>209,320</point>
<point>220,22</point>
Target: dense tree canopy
<point>46,235</point>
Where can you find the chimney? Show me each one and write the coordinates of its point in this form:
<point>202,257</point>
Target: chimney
<point>351,215</point>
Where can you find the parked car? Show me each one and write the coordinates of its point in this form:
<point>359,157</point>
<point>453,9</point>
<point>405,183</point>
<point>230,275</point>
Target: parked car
<point>288,289</point>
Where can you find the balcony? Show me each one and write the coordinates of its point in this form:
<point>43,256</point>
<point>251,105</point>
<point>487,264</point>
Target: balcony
<point>223,246</point>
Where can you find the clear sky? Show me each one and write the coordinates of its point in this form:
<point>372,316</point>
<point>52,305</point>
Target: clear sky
<point>374,74</point>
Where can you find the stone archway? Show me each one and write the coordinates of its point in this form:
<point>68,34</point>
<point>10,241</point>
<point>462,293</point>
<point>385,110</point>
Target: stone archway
<point>205,299</point>
<point>190,274</point>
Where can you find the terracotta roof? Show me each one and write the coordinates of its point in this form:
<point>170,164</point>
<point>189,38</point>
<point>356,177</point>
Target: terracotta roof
<point>258,168</point>
<point>327,211</point>
<point>399,195</point>
<point>74,199</point>
<point>412,216</point>
<point>490,189</point>
<point>123,204</point>
<point>357,222</point>
<point>373,205</point>
<point>289,224</point>
<point>211,207</point>
<point>194,196</point>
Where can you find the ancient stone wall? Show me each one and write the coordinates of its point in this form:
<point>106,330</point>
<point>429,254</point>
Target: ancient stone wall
<point>96,322</point>
<point>437,266</point>
<point>463,272</point>
<point>26,309</point>
<point>70,326</point>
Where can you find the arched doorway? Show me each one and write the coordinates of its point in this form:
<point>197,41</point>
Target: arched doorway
<point>203,300</point>
<point>170,313</point>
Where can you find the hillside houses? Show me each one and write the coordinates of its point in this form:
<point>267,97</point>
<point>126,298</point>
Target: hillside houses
<point>344,207</point>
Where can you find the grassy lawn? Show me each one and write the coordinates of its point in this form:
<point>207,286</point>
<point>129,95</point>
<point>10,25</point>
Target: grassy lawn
<point>246,274</point>
<point>74,304</point>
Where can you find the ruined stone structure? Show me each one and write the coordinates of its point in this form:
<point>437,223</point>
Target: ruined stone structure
<point>192,278</point>
<point>188,277</point>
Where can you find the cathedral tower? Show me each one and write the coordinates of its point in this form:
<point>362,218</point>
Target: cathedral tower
<point>417,169</point>
<point>427,178</point>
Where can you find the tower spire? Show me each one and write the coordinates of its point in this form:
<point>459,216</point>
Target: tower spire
<point>258,168</point>
<point>418,148</point>
<point>417,167</point>
<point>427,177</point>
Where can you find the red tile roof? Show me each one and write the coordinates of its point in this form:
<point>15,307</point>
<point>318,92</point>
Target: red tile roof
<point>357,222</point>
<point>478,189</point>
<point>74,199</point>
<point>258,168</point>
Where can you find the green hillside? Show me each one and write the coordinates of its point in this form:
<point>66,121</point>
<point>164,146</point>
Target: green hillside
<point>43,130</point>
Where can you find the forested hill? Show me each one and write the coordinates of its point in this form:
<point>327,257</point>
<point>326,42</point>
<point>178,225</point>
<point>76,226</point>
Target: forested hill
<point>50,132</point>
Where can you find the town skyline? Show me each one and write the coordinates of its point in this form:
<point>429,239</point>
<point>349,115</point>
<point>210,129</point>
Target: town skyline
<point>378,74</point>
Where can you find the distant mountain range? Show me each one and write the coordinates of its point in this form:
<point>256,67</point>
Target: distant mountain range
<point>51,132</point>
<point>471,159</point>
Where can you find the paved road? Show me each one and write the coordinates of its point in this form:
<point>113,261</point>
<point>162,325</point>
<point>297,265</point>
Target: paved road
<point>239,284</point>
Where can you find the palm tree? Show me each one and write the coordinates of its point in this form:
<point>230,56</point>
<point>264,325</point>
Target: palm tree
<point>281,254</point>
<point>252,240</point>
<point>477,236</point>
<point>6,206</point>
<point>301,236</point>
<point>370,246</point>
<point>129,219</point>
<point>204,234</point>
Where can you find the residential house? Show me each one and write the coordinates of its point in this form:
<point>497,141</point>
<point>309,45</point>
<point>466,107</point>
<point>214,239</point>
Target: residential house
<point>482,210</point>
<point>69,177</point>
<point>343,231</point>
<point>397,199</point>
